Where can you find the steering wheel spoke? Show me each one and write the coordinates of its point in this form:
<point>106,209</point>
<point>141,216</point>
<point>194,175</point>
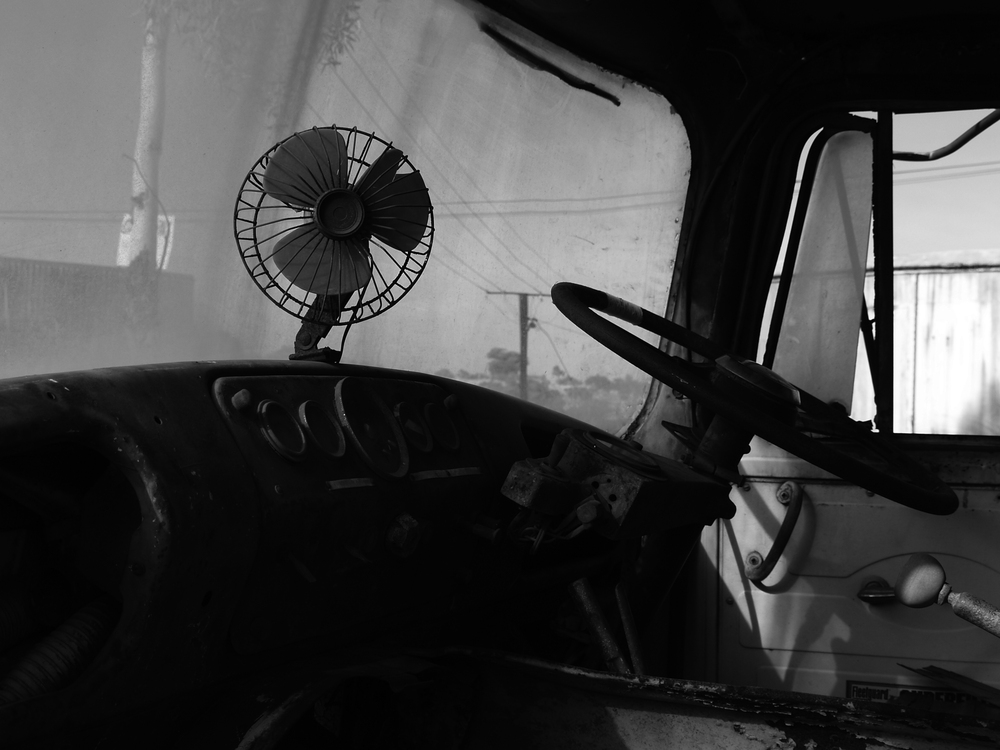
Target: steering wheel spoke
<point>753,399</point>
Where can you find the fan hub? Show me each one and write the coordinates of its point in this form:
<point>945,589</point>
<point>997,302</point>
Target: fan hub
<point>307,231</point>
<point>339,213</point>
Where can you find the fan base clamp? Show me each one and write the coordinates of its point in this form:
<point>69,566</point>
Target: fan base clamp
<point>326,354</point>
<point>307,344</point>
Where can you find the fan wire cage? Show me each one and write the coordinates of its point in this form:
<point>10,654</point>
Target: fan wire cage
<point>334,225</point>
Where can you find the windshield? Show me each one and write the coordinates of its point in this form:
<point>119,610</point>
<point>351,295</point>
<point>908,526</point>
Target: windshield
<point>540,168</point>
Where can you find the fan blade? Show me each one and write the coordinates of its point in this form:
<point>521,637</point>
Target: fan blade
<point>305,166</point>
<point>361,272</point>
<point>318,264</point>
<point>398,214</point>
<point>379,175</point>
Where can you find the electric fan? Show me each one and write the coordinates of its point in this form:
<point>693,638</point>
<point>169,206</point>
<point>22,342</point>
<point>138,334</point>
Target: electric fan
<point>335,226</point>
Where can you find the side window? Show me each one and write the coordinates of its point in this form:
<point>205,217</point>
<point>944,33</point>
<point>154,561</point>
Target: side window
<point>817,307</point>
<point>946,273</point>
<point>938,221</point>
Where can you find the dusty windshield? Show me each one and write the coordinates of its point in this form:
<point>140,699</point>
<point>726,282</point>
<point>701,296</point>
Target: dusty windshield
<point>126,121</point>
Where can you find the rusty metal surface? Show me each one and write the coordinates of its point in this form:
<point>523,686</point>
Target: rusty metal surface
<point>529,704</point>
<point>977,611</point>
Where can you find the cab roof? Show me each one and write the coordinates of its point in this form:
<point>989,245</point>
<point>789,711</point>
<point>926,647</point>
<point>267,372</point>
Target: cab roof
<point>724,56</point>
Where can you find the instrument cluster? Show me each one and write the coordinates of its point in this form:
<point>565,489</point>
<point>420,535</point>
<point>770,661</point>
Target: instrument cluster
<point>337,426</point>
<point>367,484</point>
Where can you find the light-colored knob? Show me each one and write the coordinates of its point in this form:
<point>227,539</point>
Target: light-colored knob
<point>920,581</point>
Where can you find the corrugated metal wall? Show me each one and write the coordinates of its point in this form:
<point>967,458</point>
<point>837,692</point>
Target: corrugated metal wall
<point>57,316</point>
<point>947,352</point>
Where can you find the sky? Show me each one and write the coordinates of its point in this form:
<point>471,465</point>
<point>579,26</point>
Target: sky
<point>948,204</point>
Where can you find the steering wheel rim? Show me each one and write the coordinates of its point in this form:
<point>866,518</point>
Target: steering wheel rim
<point>920,489</point>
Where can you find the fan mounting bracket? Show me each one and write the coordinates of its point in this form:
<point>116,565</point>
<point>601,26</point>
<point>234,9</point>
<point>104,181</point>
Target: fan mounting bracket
<point>326,354</point>
<point>307,344</point>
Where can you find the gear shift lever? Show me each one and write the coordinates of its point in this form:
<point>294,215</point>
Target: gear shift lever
<point>922,582</point>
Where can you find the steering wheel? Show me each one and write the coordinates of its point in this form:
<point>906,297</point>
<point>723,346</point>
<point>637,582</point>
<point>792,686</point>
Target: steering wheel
<point>886,470</point>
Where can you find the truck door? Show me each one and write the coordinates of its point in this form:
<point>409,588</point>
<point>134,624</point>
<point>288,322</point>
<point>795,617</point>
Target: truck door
<point>885,303</point>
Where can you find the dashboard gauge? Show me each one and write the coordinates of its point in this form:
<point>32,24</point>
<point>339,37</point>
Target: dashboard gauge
<point>414,428</point>
<point>442,426</point>
<point>371,428</point>
<point>280,429</point>
<point>322,428</point>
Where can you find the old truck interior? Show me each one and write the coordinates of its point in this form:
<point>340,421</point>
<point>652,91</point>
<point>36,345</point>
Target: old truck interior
<point>625,377</point>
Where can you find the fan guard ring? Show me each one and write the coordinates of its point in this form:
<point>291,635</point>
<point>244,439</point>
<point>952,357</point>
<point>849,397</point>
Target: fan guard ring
<point>310,240</point>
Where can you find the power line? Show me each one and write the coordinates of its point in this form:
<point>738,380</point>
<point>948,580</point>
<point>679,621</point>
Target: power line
<point>557,212</point>
<point>461,166</point>
<point>461,275</point>
<point>552,344</point>
<point>521,294</point>
<point>577,331</point>
<point>953,166</point>
<point>375,122</point>
<point>443,177</point>
<point>500,310</point>
<point>62,219</point>
<point>944,177</point>
<point>443,248</point>
<point>623,196</point>
<point>80,217</point>
<point>441,260</point>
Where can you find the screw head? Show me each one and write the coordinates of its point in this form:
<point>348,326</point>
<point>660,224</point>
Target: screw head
<point>403,535</point>
<point>786,492</point>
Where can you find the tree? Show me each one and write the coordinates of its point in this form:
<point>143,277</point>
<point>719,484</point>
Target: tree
<point>503,364</point>
<point>598,400</point>
<point>219,29</point>
<point>141,246</point>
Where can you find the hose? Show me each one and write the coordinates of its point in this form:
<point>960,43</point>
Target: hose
<point>58,658</point>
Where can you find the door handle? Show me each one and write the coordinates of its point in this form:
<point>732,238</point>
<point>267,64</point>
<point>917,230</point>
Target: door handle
<point>758,566</point>
<point>877,591</point>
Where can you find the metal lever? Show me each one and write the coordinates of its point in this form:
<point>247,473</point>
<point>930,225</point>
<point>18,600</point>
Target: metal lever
<point>759,567</point>
<point>922,582</point>
<point>586,600</point>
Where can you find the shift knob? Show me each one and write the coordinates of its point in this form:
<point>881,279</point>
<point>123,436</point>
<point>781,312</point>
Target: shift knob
<point>920,581</point>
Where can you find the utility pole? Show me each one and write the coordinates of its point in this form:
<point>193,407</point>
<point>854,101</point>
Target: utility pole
<point>525,324</point>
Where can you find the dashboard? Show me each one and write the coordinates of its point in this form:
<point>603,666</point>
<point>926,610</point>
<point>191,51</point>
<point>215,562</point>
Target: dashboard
<point>181,525</point>
<point>168,532</point>
<point>357,477</point>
